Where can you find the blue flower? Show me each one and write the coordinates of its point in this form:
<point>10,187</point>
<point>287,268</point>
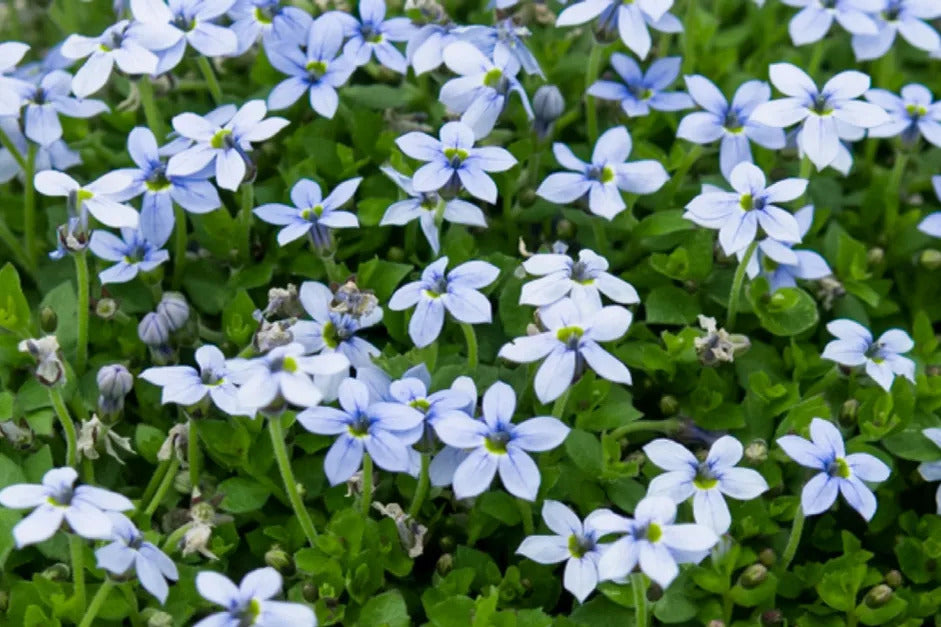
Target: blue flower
<point>706,481</point>
<point>496,443</point>
<point>274,22</point>
<point>130,550</point>
<point>906,17</point>
<point>819,109</point>
<point>575,543</point>
<point>480,92</point>
<point>429,209</point>
<point>931,224</point>
<point>630,19</point>
<point>332,331</point>
<point>312,214</point>
<point>192,192</point>
<point>227,144</point>
<point>11,53</point>
<point>186,386</point>
<point>652,541</point>
<point>56,500</point>
<point>602,179</point>
<point>97,198</point>
<point>640,92</point>
<point>137,250</point>
<point>573,329</point>
<point>437,291</point>
<point>425,48</point>
<point>55,156</point>
<point>250,603</point>
<point>505,35</point>
<point>730,122</point>
<point>839,472</point>
<point>319,71</point>
<point>738,214</point>
<point>882,358</point>
<point>384,430</point>
<point>189,21</point>
<point>43,102</point>
<point>931,471</point>
<point>561,276</point>
<point>816,17</point>
<point>912,115</point>
<point>372,35</point>
<point>782,266</point>
<point>454,160</point>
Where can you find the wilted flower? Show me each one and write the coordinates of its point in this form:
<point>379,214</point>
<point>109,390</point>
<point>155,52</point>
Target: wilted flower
<point>45,350</point>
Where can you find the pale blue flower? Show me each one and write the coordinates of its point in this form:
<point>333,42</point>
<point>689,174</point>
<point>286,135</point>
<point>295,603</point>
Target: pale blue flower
<point>603,178</point>
<point>481,90</point>
<point>44,101</point>
<point>562,276</point>
<point>630,19</point>
<point>55,156</point>
<point>498,444</point>
<point>425,48</point>
<point>819,109</point>
<point>706,481</point>
<point>373,34</point>
<point>738,214</point>
<point>438,291</point>
<point>56,500</point>
<point>839,472</point>
<point>781,265</point>
<point>931,224</point>
<point>250,603</point>
<point>97,198</point>
<point>453,160</point>
<point>570,343</point>
<point>574,543</point>
<point>384,430</point>
<point>445,462</point>
<point>312,214</point>
<point>882,358</point>
<point>11,53</point>
<point>426,207</point>
<point>318,71</point>
<point>227,144</point>
<point>816,17</point>
<point>931,471</point>
<point>331,331</point>
<point>909,18</point>
<point>187,386</point>
<point>913,115</point>
<point>273,21</point>
<point>137,250</point>
<point>190,22</point>
<point>652,541</point>
<point>731,123</point>
<point>130,550</point>
<point>640,92</point>
<point>505,35</point>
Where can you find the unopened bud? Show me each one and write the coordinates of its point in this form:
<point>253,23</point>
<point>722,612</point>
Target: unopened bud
<point>279,559</point>
<point>757,451</point>
<point>768,557</point>
<point>754,576</point>
<point>875,256</point>
<point>565,229</point>
<point>309,592</point>
<point>182,483</point>
<point>848,412</point>
<point>154,329</point>
<point>769,618</point>
<point>669,405</point>
<point>114,381</point>
<point>48,320</point>
<point>175,309</point>
<point>445,564</point>
<point>715,622</point>
<point>894,578</point>
<point>160,619</point>
<point>395,253</point>
<point>45,350</point>
<point>106,308</point>
<point>879,595</point>
<point>548,105</point>
<point>930,259</point>
<point>57,572</point>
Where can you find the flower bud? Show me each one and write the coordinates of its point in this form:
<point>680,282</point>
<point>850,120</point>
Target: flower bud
<point>160,619</point>
<point>114,381</point>
<point>894,578</point>
<point>848,412</point>
<point>396,253</point>
<point>57,572</point>
<point>565,229</point>
<point>20,437</point>
<point>669,405</point>
<point>445,564</point>
<point>875,256</point>
<point>182,483</point>
<point>879,595</point>
<point>770,618</point>
<point>106,308</point>
<point>280,560</point>
<point>48,320</point>
<point>154,329</point>
<point>930,259</point>
<point>548,105</point>
<point>757,451</point>
<point>768,557</point>
<point>754,576</point>
<point>715,622</point>
<point>175,309</point>
<point>309,592</point>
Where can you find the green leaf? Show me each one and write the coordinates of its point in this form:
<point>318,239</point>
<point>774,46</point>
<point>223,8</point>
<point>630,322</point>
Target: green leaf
<point>61,299</point>
<point>669,304</point>
<point>242,495</point>
<point>237,321</point>
<point>584,449</point>
<point>385,610</point>
<point>382,277</point>
<point>14,309</point>
<point>788,311</point>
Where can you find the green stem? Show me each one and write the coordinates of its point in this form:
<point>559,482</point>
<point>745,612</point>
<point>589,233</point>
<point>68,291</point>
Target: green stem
<point>470,337</point>
<point>192,456</point>
<point>77,553</point>
<point>9,145</point>
<point>806,168</point>
<point>695,152</point>
<point>287,476</point>
<point>816,58</point>
<point>526,515</point>
<point>639,588</point>
<point>211,81</point>
<point>155,481</point>
<point>151,113</point>
<point>893,192</point>
<point>17,252</point>
<point>29,204</point>
<point>601,237</point>
<point>558,408</point>
<point>245,221</point>
<point>96,602</point>
<point>162,489</point>
<point>367,485</point>
<point>797,528</point>
<point>88,471</point>
<point>421,490</point>
<point>737,281</point>
<point>170,544</point>
<point>591,75</point>
<point>82,304</point>
<point>179,242</point>
<point>71,455</point>
<point>657,426</point>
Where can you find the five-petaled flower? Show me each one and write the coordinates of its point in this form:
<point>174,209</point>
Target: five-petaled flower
<point>642,91</point>
<point>882,358</point>
<point>816,17</point>
<point>630,19</point>
<point>839,472</point>
<point>184,385</point>
<point>312,214</point>
<point>914,114</point>
<point>137,250</point>
<point>561,276</point>
<point>909,18</point>
<point>98,198</point>
<point>373,34</point>
<point>130,550</point>
<point>250,602</point>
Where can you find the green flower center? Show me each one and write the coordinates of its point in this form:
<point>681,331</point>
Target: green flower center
<point>359,427</point>
<point>492,77</point>
<point>220,139</point>
<point>704,479</point>
<point>654,532</point>
<point>289,364</point>
<point>312,213</point>
<point>839,468</point>
<point>83,194</point>
<point>570,335</point>
<point>317,68</point>
<point>916,111</point>
<point>251,613</point>
<point>330,336</point>
<point>456,155</point>
<point>578,546</point>
<point>421,404</point>
<point>496,442</point>
<point>262,16</point>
